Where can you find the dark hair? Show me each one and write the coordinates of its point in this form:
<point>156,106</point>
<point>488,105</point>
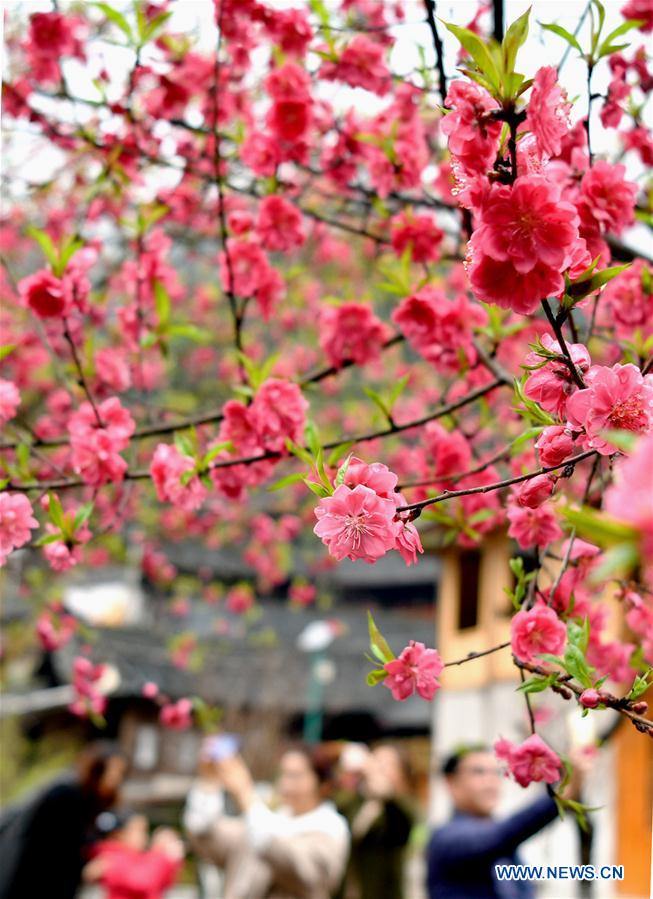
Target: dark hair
<point>451,763</point>
<point>91,767</point>
<point>322,759</point>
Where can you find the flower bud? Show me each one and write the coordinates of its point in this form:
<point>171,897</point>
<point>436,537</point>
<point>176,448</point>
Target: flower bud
<point>590,698</point>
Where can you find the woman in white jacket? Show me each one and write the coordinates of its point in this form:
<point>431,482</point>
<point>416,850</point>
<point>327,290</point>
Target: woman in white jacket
<point>297,852</point>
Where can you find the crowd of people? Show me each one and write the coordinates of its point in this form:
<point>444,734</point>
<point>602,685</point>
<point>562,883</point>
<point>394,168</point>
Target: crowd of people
<point>337,824</point>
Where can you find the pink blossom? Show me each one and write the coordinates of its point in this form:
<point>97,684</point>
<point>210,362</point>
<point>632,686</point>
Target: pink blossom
<point>240,599</point>
<point>351,332</point>
<point>357,524</point>
<point>630,497</point>
<point>150,690</point>
<point>630,305</point>
<point>16,522</point>
<point>420,233</point>
<point>112,369</point>
<point>167,468</point>
<point>279,224</point>
<point>551,385</point>
<point>409,543</point>
<point>531,761</point>
<point>46,296</point>
<point>535,491</point>
<point>376,476</point>
<point>590,698</point>
<point>533,527</point>
<point>473,134</point>
<point>526,224</point>
<point>450,450</point>
<point>246,269</point>
<point>95,450</point>
<point>548,111</point>
<point>617,398</point>
<point>536,631</point>
<point>608,197</point>
<point>177,715</point>
<point>360,64</point>
<point>555,444</point>
<point>302,594</point>
<point>416,670</point>
<point>54,631</point>
<point>500,283</point>
<point>440,328</point>
<point>260,152</point>
<point>9,400</point>
<point>639,9</point>
<point>277,412</point>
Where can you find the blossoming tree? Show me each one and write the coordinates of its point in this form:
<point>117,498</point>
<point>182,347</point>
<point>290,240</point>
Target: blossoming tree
<point>271,285</point>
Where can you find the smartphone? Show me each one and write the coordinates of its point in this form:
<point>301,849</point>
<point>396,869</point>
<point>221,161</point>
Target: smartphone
<point>220,747</point>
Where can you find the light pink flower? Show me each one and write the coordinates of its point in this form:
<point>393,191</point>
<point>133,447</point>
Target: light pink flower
<point>278,411</point>
<point>533,527</point>
<point>357,524</point>
<point>526,224</point>
<point>535,631</point>
<point>531,761</point>
<point>617,398</point>
<point>548,111</point>
<point>46,296</point>
<point>630,497</point>
<point>416,670</point>
<point>16,522</point>
<point>499,282</point>
<point>279,224</point>
<point>450,450</point>
<point>113,369</point>
<point>240,599</point>
<point>534,492</point>
<point>376,476</point>
<point>420,233</point>
<point>630,306</point>
<point>177,715</point>
<point>608,198</point>
<point>360,64</point>
<point>555,444</point>
<point>351,332</point>
<point>167,467</point>
<point>9,400</point>
<point>551,385</point>
<point>473,134</point>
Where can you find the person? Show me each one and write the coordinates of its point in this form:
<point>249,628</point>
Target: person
<point>42,847</point>
<point>297,852</point>
<point>381,817</point>
<point>462,854</point>
<point>125,866</point>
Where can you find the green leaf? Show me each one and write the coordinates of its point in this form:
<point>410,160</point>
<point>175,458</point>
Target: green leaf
<point>190,332</point>
<point>55,511</point>
<point>82,516</point>
<point>299,451</point>
<point>68,250</point>
<point>7,349</point>
<point>375,677</point>
<point>317,488</point>
<point>47,246</point>
<point>534,685</point>
<point>311,437</point>
<point>117,18</point>
<point>564,34</point>
<point>514,39</point>
<point>209,456</point>
<point>583,286</point>
<point>162,304</point>
<point>479,53</point>
<point>286,482</point>
<point>338,451</point>
<point>342,471</point>
<point>576,665</point>
<point>378,643</point>
<point>378,401</point>
<point>184,443</point>
<point>598,527</point>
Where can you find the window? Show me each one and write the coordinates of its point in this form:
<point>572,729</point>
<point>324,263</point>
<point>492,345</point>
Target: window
<point>146,747</point>
<point>470,569</point>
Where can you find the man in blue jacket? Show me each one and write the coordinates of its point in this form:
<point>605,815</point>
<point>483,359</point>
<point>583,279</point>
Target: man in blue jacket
<point>462,854</point>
